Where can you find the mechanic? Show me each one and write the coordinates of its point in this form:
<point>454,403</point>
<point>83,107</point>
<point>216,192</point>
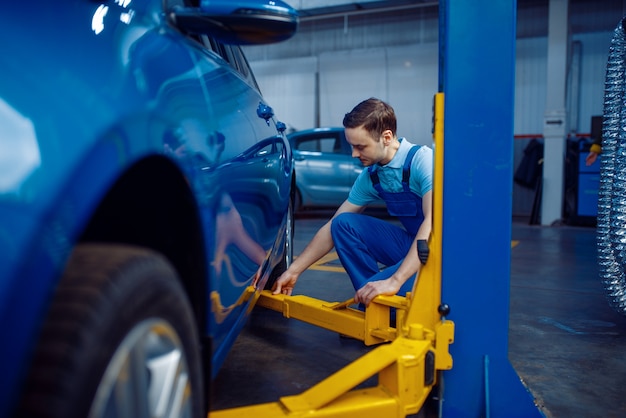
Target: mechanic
<point>398,172</point>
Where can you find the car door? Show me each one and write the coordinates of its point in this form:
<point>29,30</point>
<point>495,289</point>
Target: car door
<point>240,165</point>
<point>325,168</point>
<point>236,159</point>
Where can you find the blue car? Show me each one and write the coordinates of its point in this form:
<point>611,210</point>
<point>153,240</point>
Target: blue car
<point>325,168</point>
<point>146,198</point>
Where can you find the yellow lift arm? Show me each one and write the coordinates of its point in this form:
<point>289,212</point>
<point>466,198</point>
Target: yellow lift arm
<point>409,356</point>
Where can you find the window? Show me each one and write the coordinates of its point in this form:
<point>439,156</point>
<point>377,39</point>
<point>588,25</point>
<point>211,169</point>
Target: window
<point>233,55</point>
<point>320,144</point>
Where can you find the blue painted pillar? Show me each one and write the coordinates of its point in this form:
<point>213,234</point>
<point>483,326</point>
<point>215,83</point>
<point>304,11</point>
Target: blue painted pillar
<point>477,73</point>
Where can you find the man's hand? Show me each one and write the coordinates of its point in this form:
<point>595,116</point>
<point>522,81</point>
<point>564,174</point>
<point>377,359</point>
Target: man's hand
<point>285,283</point>
<point>368,292</point>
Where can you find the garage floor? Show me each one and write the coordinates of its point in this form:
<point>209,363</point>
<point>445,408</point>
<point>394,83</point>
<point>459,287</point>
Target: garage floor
<point>565,342</point>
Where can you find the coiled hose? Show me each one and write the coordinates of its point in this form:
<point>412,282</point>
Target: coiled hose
<point>611,224</point>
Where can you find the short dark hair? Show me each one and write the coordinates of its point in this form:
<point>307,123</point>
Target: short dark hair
<point>374,115</point>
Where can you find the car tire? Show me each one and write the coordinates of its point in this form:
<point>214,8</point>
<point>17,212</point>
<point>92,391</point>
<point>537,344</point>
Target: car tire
<point>119,340</point>
<point>287,257</point>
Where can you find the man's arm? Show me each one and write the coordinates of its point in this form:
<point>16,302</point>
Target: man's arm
<point>318,247</point>
<point>409,266</point>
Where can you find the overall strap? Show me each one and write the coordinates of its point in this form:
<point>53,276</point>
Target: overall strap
<point>406,170</point>
<point>375,179</point>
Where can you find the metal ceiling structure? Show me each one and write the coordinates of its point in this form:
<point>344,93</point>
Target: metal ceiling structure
<point>316,9</point>
<point>311,10</point>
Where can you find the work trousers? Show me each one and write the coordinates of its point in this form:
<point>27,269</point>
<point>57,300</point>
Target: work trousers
<point>364,243</point>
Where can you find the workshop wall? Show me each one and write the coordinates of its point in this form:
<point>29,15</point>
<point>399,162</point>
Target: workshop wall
<point>333,63</point>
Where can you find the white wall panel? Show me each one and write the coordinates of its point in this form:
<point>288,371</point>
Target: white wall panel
<point>347,78</point>
<point>413,74</point>
<point>530,85</point>
<point>289,87</point>
<point>397,61</point>
<point>404,76</point>
<point>595,52</point>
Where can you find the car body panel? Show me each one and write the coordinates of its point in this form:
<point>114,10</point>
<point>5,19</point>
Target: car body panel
<point>325,168</point>
<point>86,96</point>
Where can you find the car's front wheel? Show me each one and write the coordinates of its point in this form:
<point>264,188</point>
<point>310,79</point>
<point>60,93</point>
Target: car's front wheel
<point>119,341</point>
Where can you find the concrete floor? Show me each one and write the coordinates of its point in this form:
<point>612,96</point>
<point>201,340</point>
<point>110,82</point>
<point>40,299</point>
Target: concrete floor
<point>565,342</point>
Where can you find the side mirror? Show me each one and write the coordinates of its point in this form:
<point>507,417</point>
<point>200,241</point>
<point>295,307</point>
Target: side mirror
<point>245,22</point>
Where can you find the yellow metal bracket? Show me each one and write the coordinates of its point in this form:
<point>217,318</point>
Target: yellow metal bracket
<point>407,367</point>
<point>409,354</point>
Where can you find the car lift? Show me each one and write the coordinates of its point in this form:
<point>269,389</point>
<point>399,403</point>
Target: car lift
<point>411,358</point>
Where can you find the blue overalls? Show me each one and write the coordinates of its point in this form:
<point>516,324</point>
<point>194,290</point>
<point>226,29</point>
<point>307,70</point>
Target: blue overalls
<point>363,242</point>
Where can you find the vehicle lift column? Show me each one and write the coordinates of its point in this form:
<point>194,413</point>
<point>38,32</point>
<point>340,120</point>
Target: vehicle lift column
<point>468,265</point>
<point>477,74</point>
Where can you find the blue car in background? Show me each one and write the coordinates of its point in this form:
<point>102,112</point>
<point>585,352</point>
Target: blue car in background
<point>146,193</point>
<point>325,168</point>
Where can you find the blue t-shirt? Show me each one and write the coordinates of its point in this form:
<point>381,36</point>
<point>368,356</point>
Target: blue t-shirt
<point>390,175</point>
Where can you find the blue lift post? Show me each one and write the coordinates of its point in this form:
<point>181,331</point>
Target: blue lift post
<point>477,76</point>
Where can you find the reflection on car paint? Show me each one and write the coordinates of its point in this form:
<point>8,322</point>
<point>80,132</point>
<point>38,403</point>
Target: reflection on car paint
<point>98,19</point>
<point>20,154</point>
<point>221,312</point>
<point>237,256</point>
<point>181,143</point>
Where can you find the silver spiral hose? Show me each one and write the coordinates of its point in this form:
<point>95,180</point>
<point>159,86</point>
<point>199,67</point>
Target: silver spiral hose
<point>611,229</point>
